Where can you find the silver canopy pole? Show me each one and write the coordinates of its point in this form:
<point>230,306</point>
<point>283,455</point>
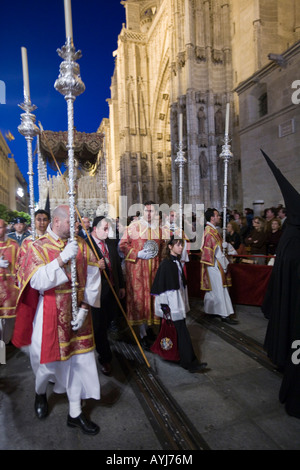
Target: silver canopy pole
<point>70,85</point>
<point>226,155</point>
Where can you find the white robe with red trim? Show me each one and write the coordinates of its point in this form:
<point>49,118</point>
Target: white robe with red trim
<point>217,300</point>
<point>77,376</point>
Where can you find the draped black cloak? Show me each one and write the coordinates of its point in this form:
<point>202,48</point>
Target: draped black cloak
<point>282,300</point>
<point>166,277</point>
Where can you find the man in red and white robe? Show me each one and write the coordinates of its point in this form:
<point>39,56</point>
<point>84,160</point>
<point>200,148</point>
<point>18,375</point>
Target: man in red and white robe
<point>214,278</point>
<point>141,267</point>
<point>41,222</point>
<point>8,288</point>
<point>61,347</point>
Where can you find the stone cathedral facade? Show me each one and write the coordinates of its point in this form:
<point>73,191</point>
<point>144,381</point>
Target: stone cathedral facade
<point>189,57</point>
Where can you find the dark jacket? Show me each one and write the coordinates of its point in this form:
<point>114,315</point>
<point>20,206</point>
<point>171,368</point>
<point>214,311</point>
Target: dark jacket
<point>272,241</point>
<point>118,279</point>
<point>82,234</point>
<point>257,241</point>
<point>13,236</point>
<point>234,239</point>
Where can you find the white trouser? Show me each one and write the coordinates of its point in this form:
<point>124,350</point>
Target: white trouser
<point>6,329</point>
<point>77,376</point>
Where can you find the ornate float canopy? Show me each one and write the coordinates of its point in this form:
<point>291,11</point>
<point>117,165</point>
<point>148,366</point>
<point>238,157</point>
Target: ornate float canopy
<point>86,149</point>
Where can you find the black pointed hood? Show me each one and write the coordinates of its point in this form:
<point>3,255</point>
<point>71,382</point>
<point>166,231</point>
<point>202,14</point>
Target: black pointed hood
<point>290,195</point>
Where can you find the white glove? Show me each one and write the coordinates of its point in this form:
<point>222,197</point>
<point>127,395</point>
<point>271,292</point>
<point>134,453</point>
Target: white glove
<point>224,245</point>
<point>145,254</point>
<point>70,251</point>
<point>224,263</point>
<point>79,319</point>
<point>231,251</point>
<point>4,263</point>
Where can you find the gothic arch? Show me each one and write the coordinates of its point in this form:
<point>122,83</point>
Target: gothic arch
<point>160,119</point>
<point>160,113</point>
<point>162,87</point>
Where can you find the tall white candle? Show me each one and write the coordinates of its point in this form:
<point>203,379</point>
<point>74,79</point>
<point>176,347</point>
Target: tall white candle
<point>227,118</point>
<point>25,72</point>
<point>68,19</point>
<point>180,127</point>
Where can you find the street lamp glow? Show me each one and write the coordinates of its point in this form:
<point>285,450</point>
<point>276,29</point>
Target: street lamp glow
<point>20,192</point>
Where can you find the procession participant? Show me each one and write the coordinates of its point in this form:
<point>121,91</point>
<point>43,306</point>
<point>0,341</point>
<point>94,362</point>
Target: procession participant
<point>213,271</point>
<point>171,297</point>
<point>169,229</point>
<point>141,263</point>
<point>8,290</point>
<point>85,228</point>
<point>110,262</point>
<point>61,348</point>
<point>41,220</point>
<point>20,232</point>
<point>282,300</point>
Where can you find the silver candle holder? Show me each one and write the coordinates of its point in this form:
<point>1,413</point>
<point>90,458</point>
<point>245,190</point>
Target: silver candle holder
<point>29,130</point>
<point>180,161</point>
<point>70,85</point>
<point>226,155</point>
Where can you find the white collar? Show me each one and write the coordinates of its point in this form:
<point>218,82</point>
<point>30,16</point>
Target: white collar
<point>98,240</point>
<point>152,226</point>
<point>53,235</point>
<point>173,224</point>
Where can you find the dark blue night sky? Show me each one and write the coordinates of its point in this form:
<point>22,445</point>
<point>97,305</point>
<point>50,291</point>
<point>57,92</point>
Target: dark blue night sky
<point>39,25</point>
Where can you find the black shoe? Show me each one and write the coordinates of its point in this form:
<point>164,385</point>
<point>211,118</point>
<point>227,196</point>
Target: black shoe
<point>106,368</point>
<point>198,367</point>
<point>86,426</point>
<point>41,406</point>
<point>230,321</point>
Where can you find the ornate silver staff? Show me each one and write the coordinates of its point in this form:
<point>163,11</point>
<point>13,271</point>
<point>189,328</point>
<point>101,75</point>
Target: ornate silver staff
<point>70,85</point>
<point>180,162</point>
<point>226,155</point>
<point>29,130</point>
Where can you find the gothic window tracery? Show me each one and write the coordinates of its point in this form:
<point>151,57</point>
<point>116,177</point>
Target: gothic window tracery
<point>263,104</point>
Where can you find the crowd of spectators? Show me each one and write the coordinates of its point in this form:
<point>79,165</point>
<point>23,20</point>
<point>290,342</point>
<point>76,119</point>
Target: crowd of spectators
<point>247,233</point>
<point>256,236</point>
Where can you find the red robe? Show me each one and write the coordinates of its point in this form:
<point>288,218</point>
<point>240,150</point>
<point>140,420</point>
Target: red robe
<point>8,286</point>
<point>59,341</point>
<point>21,258</point>
<point>140,273</point>
<point>211,240</point>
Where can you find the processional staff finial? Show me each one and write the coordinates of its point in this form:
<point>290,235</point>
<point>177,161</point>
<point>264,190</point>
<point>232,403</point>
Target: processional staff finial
<point>29,130</point>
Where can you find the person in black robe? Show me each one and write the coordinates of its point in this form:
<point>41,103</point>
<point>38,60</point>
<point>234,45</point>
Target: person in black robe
<point>106,249</point>
<point>281,305</point>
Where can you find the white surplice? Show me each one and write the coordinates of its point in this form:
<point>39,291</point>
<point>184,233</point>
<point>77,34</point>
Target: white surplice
<point>217,301</point>
<point>177,299</point>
